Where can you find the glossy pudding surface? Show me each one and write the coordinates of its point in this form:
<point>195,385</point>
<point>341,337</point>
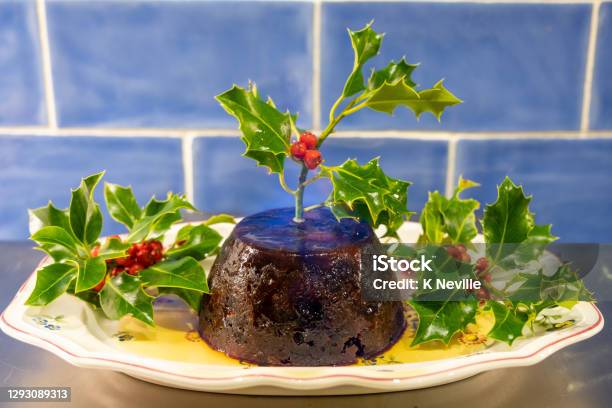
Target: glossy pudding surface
<point>286,293</point>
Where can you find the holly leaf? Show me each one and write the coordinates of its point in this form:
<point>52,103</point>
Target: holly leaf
<point>113,248</point>
<point>366,44</point>
<point>185,273</point>
<point>197,242</point>
<point>192,298</point>
<point>508,222</point>
<point>441,320</point>
<point>220,219</point>
<point>158,216</point>
<point>368,194</point>
<point>122,204</point>
<point>91,272</point>
<point>51,282</point>
<point>393,72</point>
<point>84,213</point>
<point>48,216</point>
<point>564,285</point>
<point>450,220</point>
<point>123,295</point>
<point>388,96</point>
<point>509,322</point>
<point>57,242</point>
<point>265,130</point>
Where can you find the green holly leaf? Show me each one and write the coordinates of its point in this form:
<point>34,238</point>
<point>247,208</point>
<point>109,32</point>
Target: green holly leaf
<point>441,320</point>
<point>265,130</point>
<point>197,242</point>
<point>564,285</point>
<point>124,295</point>
<point>537,240</point>
<point>89,296</point>
<point>393,72</point>
<point>122,204</point>
<point>185,273</point>
<point>91,272</point>
<point>192,298</point>
<point>220,219</point>
<point>368,194</point>
<point>48,216</point>
<point>508,222</point>
<point>84,214</point>
<point>450,220</point>
<point>366,44</point>
<point>51,282</point>
<point>113,248</point>
<point>57,242</point>
<point>158,216</point>
<point>388,96</point>
<point>509,322</point>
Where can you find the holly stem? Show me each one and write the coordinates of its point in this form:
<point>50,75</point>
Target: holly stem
<point>302,182</point>
<point>283,183</point>
<point>299,196</point>
<point>333,121</point>
<point>311,180</point>
<point>312,207</point>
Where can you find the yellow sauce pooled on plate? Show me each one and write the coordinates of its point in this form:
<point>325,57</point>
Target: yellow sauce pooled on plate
<point>175,338</point>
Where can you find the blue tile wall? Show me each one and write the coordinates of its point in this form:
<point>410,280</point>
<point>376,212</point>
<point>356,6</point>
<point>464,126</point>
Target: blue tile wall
<point>160,63</point>
<point>243,188</point>
<point>21,95</point>
<point>516,66</point>
<point>154,67</point>
<point>37,169</point>
<point>601,102</point>
<point>569,179</point>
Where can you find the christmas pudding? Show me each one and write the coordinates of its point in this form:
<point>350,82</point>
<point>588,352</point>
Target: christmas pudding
<point>287,293</point>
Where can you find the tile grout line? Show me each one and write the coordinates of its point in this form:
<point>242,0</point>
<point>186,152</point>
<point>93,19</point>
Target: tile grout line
<point>590,68</point>
<point>43,131</point>
<point>450,167</point>
<point>41,14</point>
<point>187,158</point>
<point>316,65</point>
<point>468,1</point>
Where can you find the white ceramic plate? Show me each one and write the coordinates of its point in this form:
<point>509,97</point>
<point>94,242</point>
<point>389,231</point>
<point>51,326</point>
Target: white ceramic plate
<point>83,338</point>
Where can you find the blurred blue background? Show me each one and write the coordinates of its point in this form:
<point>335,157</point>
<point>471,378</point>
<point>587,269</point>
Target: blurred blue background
<point>128,86</point>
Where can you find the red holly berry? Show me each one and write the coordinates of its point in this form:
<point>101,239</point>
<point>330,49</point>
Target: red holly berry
<point>487,277</point>
<point>309,139</point>
<point>123,261</point>
<point>482,264</point>
<point>95,250</point>
<point>156,255</point>
<point>483,294</point>
<point>298,150</point>
<point>156,245</point>
<point>100,285</point>
<point>134,269</point>
<point>312,159</point>
<point>116,271</point>
<point>458,252</point>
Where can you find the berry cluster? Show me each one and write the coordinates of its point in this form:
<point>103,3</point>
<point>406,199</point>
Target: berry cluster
<point>141,255</point>
<point>305,150</point>
<point>459,252</point>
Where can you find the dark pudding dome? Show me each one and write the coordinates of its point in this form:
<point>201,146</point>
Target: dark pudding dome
<point>286,293</point>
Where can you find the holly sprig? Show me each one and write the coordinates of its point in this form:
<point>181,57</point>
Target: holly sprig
<point>512,239</point>
<point>121,276</point>
<point>363,192</point>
